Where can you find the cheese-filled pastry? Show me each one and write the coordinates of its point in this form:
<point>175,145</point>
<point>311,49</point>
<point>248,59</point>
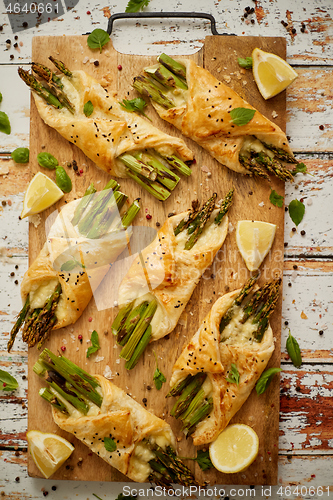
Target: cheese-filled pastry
<point>212,114</point>
<point>111,423</point>
<point>160,282</point>
<point>118,141</point>
<point>84,240</point>
<point>219,367</point>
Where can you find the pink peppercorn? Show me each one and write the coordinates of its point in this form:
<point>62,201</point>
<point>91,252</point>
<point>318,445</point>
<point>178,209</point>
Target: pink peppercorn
<point>90,319</point>
<point>88,12</point>
<point>81,170</point>
<point>119,67</point>
<point>79,337</point>
<point>148,216</point>
<point>63,348</point>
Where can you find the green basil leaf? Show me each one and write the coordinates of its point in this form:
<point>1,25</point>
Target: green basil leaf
<point>94,344</point>
<point>88,108</point>
<point>241,116</point>
<point>20,155</point>
<point>294,350</point>
<point>245,63</point>
<point>97,39</point>
<point>137,105</point>
<point>63,180</point>
<point>300,167</point>
<point>158,377</point>
<point>4,123</point>
<point>203,460</point>
<point>109,444</point>
<point>296,211</point>
<point>276,199</point>
<point>7,382</point>
<point>265,379</point>
<point>136,5</point>
<point>47,160</point>
<point>234,375</point>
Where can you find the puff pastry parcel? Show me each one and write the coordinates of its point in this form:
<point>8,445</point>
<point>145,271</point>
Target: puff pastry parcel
<point>202,107</point>
<point>160,282</point>
<point>223,361</point>
<point>106,132</point>
<point>111,423</point>
<point>59,284</point>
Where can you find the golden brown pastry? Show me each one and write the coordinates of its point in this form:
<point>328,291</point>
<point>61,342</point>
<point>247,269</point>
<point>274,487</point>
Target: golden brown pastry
<point>59,284</point>
<point>224,366</point>
<point>201,107</point>
<point>110,423</point>
<point>166,274</point>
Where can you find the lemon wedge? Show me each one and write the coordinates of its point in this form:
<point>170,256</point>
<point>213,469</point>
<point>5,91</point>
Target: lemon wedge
<point>271,73</point>
<point>254,240</point>
<point>235,448</point>
<point>49,451</point>
<point>41,193</point>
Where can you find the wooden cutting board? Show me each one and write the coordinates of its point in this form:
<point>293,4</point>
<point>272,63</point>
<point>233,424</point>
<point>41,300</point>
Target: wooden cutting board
<point>251,201</point>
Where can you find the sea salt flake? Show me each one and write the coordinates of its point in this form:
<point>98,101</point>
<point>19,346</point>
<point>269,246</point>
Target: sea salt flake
<point>261,204</point>
<point>98,359</point>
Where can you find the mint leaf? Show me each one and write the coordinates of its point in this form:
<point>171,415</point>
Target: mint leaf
<point>158,377</point>
<point>94,344</point>
<point>300,167</point>
<point>97,39</point>
<point>109,444</point>
<point>7,382</point>
<point>88,108</point>
<point>234,375</point>
<point>294,350</point>
<point>245,63</point>
<point>276,199</point>
<point>296,211</point>
<point>265,379</point>
<point>242,116</point>
<point>136,5</point>
<point>4,123</point>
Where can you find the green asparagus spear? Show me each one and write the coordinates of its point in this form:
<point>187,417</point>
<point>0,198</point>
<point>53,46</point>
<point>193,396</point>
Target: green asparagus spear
<point>197,225</point>
<point>153,187</point>
<point>84,202</point>
<point>147,88</point>
<point>184,223</point>
<point>131,322</point>
<point>54,83</point>
<point>51,398</point>
<point>143,323</point>
<point>199,415</point>
<point>165,77</point>
<point>254,167</point>
<point>275,167</point>
<point>139,350</point>
<point>131,213</point>
<point>121,317</point>
<point>225,205</point>
<point>104,219</point>
<point>176,390</point>
<point>280,153</point>
<point>37,87</point>
<point>61,66</point>
<point>187,395</point>
<point>174,66</point>
<point>164,175</point>
<point>178,164</point>
<point>21,318</point>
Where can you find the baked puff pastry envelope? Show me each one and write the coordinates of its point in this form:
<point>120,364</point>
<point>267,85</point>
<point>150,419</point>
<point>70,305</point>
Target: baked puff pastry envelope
<point>201,109</point>
<point>67,271</point>
<point>215,358</point>
<point>168,273</point>
<point>127,423</point>
<point>110,131</point>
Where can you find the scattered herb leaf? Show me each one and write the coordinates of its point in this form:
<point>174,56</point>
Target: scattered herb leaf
<point>265,379</point>
<point>234,376</point>
<point>99,498</point>
<point>242,116</point>
<point>121,496</point>
<point>245,63</point>
<point>276,199</point>
<point>69,265</point>
<point>63,180</point>
<point>7,382</point>
<point>294,350</point>
<point>20,155</point>
<point>0,97</point>
<point>158,377</point>
<point>296,211</point>
<point>94,344</point>
<point>136,5</point>
<point>47,160</point>
<point>109,444</point>
<point>203,460</point>
<point>97,39</point>
<point>88,108</point>
<point>300,167</point>
<point>137,105</point>
<point>4,123</point>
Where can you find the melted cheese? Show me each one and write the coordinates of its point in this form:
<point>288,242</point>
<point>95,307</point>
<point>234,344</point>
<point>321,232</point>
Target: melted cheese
<point>236,333</point>
<point>142,454</point>
<point>251,143</point>
<point>44,291</point>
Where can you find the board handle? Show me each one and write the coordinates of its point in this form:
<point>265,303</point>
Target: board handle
<point>153,15</point>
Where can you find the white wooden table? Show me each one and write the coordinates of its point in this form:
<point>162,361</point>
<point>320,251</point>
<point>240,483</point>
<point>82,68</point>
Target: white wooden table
<point>306,416</point>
